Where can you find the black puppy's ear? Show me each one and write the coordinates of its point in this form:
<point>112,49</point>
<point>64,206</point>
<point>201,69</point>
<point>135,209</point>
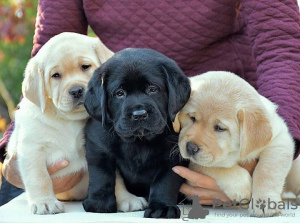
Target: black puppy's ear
<point>179,88</point>
<point>95,98</point>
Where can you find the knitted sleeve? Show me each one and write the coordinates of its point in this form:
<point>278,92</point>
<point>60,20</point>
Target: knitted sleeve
<point>54,17</point>
<point>274,29</point>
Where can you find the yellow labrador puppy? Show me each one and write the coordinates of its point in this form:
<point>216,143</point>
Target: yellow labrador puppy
<point>49,124</point>
<point>226,122</point>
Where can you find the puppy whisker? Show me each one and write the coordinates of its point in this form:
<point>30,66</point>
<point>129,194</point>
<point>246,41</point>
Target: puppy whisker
<point>168,126</point>
<point>173,139</point>
<point>112,131</point>
<point>175,153</point>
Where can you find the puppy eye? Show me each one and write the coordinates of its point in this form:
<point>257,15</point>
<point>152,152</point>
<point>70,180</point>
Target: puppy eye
<point>56,75</point>
<point>120,93</point>
<point>218,128</point>
<point>193,119</point>
<point>151,89</point>
<point>85,67</point>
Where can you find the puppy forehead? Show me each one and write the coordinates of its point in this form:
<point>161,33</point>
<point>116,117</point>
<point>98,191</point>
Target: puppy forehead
<point>67,60</point>
<point>133,76</point>
<point>210,109</point>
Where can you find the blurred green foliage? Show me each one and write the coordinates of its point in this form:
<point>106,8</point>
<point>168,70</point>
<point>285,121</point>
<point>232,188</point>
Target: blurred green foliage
<point>17,24</point>
<point>16,35</point>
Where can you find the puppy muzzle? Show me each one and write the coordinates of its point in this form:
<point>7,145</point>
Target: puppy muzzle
<point>140,120</point>
<point>77,94</point>
<point>141,125</point>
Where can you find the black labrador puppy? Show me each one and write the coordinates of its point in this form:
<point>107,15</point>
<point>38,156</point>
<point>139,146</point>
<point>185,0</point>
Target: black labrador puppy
<point>133,99</point>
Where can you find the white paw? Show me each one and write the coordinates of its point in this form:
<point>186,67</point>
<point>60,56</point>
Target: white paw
<point>239,190</point>
<point>46,206</point>
<point>238,187</point>
<point>261,208</point>
<point>132,203</point>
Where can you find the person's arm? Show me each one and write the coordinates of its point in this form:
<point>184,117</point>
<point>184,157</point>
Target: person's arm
<point>54,17</point>
<point>12,175</point>
<point>274,29</point>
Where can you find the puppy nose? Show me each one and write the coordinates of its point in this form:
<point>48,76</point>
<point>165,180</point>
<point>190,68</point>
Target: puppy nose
<point>76,92</point>
<point>192,148</point>
<point>139,114</point>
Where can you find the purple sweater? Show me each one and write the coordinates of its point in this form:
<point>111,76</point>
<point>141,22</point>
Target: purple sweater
<point>258,40</point>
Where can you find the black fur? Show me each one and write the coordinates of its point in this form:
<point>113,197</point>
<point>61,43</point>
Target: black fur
<point>140,148</point>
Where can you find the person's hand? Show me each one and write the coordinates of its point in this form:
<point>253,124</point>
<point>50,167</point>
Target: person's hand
<point>11,172</point>
<point>12,175</point>
<point>206,189</point>
<point>64,183</point>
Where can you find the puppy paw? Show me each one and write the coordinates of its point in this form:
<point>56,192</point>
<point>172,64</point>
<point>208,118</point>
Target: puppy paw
<point>160,210</point>
<point>132,203</point>
<point>238,189</point>
<point>100,206</point>
<point>259,207</point>
<point>240,192</point>
<point>46,206</point>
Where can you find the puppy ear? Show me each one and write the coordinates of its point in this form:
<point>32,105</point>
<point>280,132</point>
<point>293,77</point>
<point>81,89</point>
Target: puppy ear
<point>176,123</point>
<point>179,88</point>
<point>102,52</point>
<point>255,130</point>
<point>33,86</point>
<point>95,98</point>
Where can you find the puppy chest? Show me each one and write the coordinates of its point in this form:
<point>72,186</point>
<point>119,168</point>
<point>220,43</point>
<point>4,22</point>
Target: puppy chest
<point>140,167</point>
<point>67,144</point>
<point>137,180</point>
<point>135,168</point>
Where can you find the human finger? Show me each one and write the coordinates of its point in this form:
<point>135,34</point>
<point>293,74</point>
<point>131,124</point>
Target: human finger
<point>57,166</point>
<point>203,193</point>
<point>199,179</point>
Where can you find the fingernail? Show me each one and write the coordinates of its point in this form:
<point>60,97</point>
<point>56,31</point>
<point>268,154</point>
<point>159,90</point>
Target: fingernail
<point>64,163</point>
<point>176,170</point>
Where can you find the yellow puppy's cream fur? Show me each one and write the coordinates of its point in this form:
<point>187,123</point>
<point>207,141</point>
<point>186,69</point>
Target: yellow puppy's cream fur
<point>49,126</point>
<point>231,123</point>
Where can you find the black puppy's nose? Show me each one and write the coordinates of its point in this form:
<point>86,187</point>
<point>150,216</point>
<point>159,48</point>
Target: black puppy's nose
<point>139,115</point>
<point>76,92</point>
<point>192,148</point>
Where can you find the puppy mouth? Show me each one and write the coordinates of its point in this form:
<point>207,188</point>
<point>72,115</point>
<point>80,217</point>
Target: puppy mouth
<point>78,107</point>
<point>204,160</point>
<point>80,103</point>
<point>141,132</point>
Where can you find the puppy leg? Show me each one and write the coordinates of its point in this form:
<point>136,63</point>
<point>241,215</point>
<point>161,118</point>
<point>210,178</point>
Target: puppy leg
<point>235,182</point>
<point>101,190</point>
<point>125,200</point>
<point>163,195</point>
<point>38,184</point>
<point>268,179</point>
<point>293,180</point>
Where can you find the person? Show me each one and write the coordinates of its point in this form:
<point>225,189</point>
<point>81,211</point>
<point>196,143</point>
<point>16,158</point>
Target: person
<point>257,40</point>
